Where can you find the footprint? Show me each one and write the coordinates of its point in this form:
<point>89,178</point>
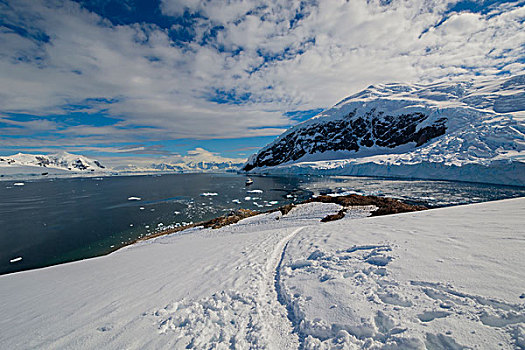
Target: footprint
<point>368,247</point>
<point>442,342</point>
<point>394,298</point>
<point>378,260</point>
<point>428,316</point>
<point>105,328</point>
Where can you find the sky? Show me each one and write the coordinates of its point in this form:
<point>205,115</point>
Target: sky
<point>154,79</point>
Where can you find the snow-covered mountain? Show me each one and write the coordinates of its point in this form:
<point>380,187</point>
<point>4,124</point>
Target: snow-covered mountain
<point>471,130</point>
<point>58,161</point>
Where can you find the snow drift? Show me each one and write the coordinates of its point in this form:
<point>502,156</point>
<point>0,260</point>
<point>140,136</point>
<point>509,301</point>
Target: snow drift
<point>471,131</point>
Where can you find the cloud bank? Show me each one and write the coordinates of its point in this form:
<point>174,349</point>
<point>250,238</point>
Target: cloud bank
<point>229,69</point>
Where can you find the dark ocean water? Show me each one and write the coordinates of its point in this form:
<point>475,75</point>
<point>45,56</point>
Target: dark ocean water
<point>52,221</point>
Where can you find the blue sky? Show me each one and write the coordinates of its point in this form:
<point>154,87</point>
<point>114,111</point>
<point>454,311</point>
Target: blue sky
<point>160,78</point>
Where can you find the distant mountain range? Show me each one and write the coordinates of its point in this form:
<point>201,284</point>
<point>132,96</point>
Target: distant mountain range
<point>470,131</point>
<point>66,163</point>
<point>181,167</point>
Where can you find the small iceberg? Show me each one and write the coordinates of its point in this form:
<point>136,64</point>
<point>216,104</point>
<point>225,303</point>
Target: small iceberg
<point>134,198</point>
<point>249,182</point>
<point>18,184</point>
<point>15,260</point>
<point>209,194</point>
<point>255,191</point>
<point>236,201</point>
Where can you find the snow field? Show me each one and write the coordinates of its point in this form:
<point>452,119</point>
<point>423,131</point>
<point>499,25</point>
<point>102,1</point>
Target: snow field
<point>440,279</point>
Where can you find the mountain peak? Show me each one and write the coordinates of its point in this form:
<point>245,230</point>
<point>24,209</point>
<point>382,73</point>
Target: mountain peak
<point>60,160</point>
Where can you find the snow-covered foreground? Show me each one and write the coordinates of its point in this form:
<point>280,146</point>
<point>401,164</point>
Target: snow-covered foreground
<point>440,279</point>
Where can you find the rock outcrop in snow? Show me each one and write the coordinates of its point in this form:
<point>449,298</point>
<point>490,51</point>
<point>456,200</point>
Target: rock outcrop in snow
<point>472,131</point>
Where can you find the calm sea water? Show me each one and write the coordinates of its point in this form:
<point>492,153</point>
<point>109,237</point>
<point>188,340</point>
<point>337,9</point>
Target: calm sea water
<point>52,221</point>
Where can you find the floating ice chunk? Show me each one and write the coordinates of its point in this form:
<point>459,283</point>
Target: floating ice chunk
<point>247,198</point>
<point>273,202</point>
<point>236,201</point>
<point>15,260</point>
<point>176,212</point>
<point>255,191</point>
<point>18,184</point>
<point>289,196</point>
<point>134,198</point>
<point>142,208</point>
<point>209,194</point>
<point>344,193</point>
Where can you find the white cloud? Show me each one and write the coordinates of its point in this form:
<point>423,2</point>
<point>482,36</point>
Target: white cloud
<point>272,56</point>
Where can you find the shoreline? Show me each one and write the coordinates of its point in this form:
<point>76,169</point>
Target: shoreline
<point>261,173</point>
<point>29,177</point>
<point>238,214</point>
<point>385,206</point>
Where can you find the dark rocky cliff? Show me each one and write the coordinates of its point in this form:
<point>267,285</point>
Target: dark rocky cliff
<point>351,133</point>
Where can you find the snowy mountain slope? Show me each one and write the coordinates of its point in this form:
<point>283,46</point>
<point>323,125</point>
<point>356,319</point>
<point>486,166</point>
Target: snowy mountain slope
<point>409,130</point>
<point>60,161</point>
<point>449,278</point>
